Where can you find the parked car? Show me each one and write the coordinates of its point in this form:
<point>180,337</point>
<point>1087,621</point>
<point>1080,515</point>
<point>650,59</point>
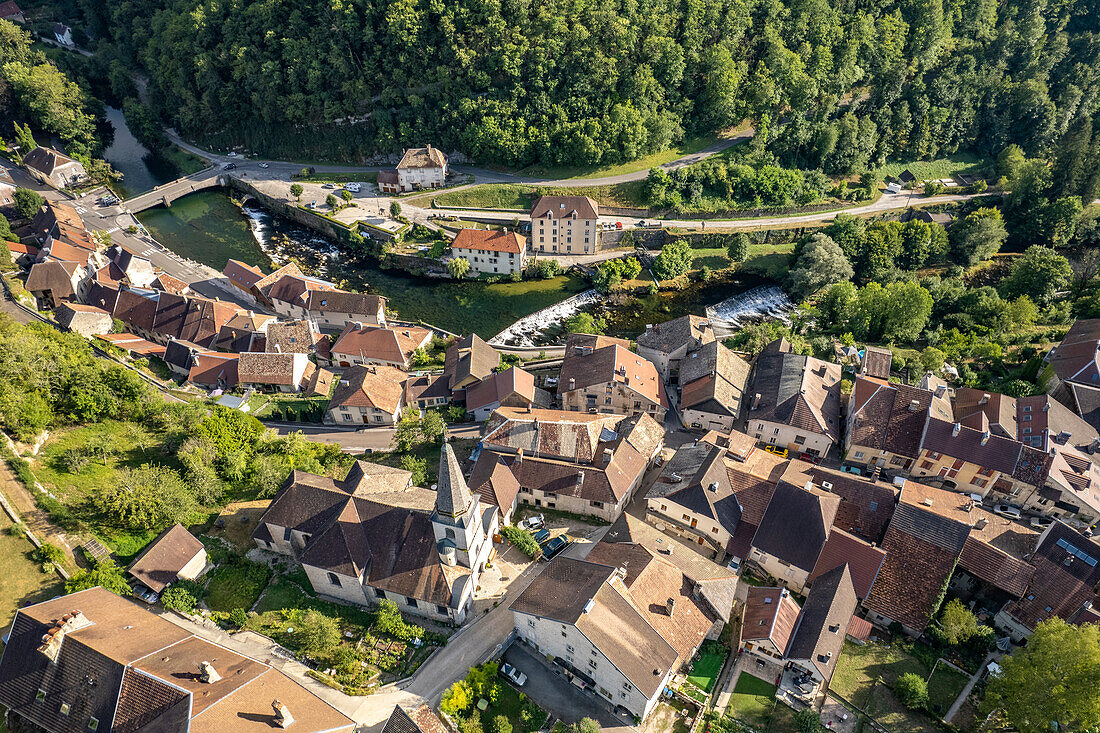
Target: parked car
<point>265,165</point>
<point>513,674</point>
<point>976,498</point>
<point>542,536</point>
<point>312,204</point>
<point>532,522</point>
<point>145,594</point>
<point>353,187</point>
<point>1041,522</point>
<point>328,185</point>
<point>781,452</point>
<point>556,545</point>
<point>229,166</point>
<point>1007,510</point>
<point>232,155</point>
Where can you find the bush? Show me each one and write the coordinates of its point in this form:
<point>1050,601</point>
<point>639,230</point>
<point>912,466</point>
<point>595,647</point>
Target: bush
<point>501,724</point>
<point>522,540</point>
<point>912,691</point>
<point>318,634</point>
<point>458,698</point>
<point>49,554</point>
<point>807,721</point>
<point>178,599</point>
<point>238,617</point>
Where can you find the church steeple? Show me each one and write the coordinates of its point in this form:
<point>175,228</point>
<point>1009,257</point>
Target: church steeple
<point>453,497</point>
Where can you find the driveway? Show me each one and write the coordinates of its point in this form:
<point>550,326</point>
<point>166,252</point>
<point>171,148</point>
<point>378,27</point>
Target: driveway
<point>558,696</point>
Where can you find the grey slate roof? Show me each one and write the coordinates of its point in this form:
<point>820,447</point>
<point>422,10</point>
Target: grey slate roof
<point>796,525</point>
<point>819,636</point>
<point>453,498</point>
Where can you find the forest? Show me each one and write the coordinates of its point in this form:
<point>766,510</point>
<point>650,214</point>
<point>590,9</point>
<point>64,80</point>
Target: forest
<point>831,85</point>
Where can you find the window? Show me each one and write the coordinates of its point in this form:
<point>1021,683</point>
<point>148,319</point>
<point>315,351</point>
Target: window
<point>799,439</point>
<point>564,634</point>
<point>597,504</point>
<point>623,695</point>
<point>450,533</point>
<point>286,535</point>
<point>93,723</point>
<point>334,579</point>
<point>378,592</point>
<point>569,648</point>
<point>531,622</point>
<point>926,465</point>
<point>714,530</point>
<point>40,696</point>
<point>873,506</point>
<point>687,518</point>
<point>1027,408</point>
<point>411,602</point>
<point>857,455</point>
<point>775,431</point>
<point>626,686</point>
<point>592,663</point>
<point>1027,418</point>
<point>760,426</point>
<point>65,708</point>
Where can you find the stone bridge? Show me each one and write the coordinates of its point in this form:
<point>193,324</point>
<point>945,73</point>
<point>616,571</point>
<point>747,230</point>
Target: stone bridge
<point>166,193</point>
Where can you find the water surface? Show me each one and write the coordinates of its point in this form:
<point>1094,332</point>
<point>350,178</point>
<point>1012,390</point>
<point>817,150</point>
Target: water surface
<point>141,170</point>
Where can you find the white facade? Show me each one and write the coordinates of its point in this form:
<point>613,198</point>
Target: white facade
<point>793,439</point>
<point>492,262</point>
<point>357,415</point>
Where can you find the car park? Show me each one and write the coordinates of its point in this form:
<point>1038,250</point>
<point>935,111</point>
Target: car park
<point>533,522</point>
<point>556,545</point>
<point>1007,510</point>
<point>513,674</point>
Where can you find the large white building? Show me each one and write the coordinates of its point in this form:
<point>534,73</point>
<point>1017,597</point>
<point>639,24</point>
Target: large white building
<point>491,251</point>
<point>565,225</point>
<point>419,168</point>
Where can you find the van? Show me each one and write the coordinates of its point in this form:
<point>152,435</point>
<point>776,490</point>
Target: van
<point>353,187</point>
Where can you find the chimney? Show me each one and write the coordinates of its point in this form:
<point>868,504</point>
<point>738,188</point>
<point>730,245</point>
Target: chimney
<point>914,405</point>
<point>359,325</point>
<point>207,674</point>
<point>1046,406</point>
<point>283,718</point>
<point>572,383</point>
<point>714,487</point>
<point>755,401</point>
<point>981,523</point>
<point>607,454</point>
<point>669,605</point>
<point>278,349</point>
<point>984,399</point>
<point>985,437</point>
<point>52,639</point>
<point>648,327</point>
<point>519,456</point>
<point>955,430</point>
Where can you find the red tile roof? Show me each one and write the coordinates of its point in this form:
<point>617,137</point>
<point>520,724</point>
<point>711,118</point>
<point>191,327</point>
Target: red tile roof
<point>491,240</point>
<point>864,560</point>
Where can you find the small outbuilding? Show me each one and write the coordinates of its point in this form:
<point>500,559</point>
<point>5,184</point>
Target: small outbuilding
<point>175,555</point>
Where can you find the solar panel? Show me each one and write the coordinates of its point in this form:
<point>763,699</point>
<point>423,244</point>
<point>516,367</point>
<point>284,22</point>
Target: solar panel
<point>1078,553</point>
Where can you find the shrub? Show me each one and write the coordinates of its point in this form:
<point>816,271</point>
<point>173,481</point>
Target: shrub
<point>48,554</point>
<point>807,721</point>
<point>238,617</point>
<point>501,724</point>
<point>458,698</point>
<point>179,599</point>
<point>522,540</point>
<point>318,634</point>
<point>912,691</point>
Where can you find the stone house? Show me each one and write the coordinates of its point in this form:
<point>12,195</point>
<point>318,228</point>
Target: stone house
<point>418,169</point>
<point>367,395</point>
<point>53,168</point>
<point>565,225</point>
<point>361,344</point>
<point>491,251</point>
<point>87,320</point>
<point>599,374</point>
<point>667,344</point>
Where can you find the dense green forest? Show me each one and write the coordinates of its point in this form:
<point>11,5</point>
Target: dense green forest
<point>835,85</point>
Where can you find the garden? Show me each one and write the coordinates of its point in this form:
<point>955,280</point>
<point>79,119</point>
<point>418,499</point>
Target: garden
<point>752,700</point>
<point>483,702</point>
<point>705,669</point>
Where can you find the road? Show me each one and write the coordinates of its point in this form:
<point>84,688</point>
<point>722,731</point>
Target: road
<point>367,439</point>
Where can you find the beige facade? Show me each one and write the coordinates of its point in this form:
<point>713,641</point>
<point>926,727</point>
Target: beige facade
<point>790,576</point>
<point>791,438</point>
<point>962,475</point>
<point>359,415</point>
<point>564,236</point>
<point>706,535</point>
<point>611,397</point>
<point>568,643</point>
<point>575,504</point>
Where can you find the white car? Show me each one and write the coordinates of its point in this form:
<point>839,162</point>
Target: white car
<point>265,165</point>
<point>232,155</point>
<point>1041,522</point>
<point>1007,510</point>
<point>513,674</point>
<point>353,187</point>
<point>531,523</point>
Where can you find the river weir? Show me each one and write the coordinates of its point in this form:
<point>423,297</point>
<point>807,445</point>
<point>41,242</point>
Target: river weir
<point>760,303</point>
<point>533,330</point>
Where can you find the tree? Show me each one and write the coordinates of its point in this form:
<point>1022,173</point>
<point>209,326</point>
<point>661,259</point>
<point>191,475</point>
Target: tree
<point>27,202</point>
<point>821,262</point>
<point>458,267</point>
<point>24,138</point>
<point>585,725</point>
<point>957,623</point>
<point>1051,680</point>
<point>148,497</point>
<point>501,724</point>
<point>238,617</point>
<point>296,190</point>
<point>432,426</point>
<point>103,573</point>
<point>1038,274</point>
<point>674,260</point>
<point>808,721</point>
<point>1009,161</point>
<point>332,202</point>
<point>584,323</point>
<point>912,691</point>
<point>418,467</point>
<point>547,268</point>
<point>932,359</point>
<point>457,699</point>
<point>738,248</point>
<point>977,237</point>
<point>395,209</point>
<point>317,633</point>
<point>406,434</point>
<point>346,195</point>
<point>178,599</point>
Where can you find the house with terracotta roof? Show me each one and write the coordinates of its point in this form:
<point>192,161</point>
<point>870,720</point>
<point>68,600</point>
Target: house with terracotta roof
<point>427,391</point>
<point>588,473</point>
<point>596,378</point>
<point>885,424</point>
<point>211,370</point>
<point>362,344</point>
<point>11,11</point>
<point>336,308</point>
<point>245,331</point>
<point>367,395</point>
<point>421,719</point>
<point>795,401</point>
<point>923,544</point>
<point>713,382</point>
<point>468,361</point>
<point>52,214</point>
<point>174,555</point>
<point>22,254</point>
<point>565,225</point>
<point>667,344</point>
<point>1067,572</point>
<point>491,251</point>
<point>876,362</point>
<point>135,345</point>
<point>768,623</point>
<point>243,276</point>
<point>93,660</point>
<point>374,536</point>
<point>53,168</point>
<point>513,387</point>
<point>283,373</point>
<point>1071,374</point>
<point>419,168</point>
<point>87,320</point>
<point>866,504</point>
<point>624,630</point>
<point>494,481</point>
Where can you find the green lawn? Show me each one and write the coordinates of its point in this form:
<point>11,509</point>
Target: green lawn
<point>691,145</point>
<point>938,168</point>
<point>511,705</point>
<point>126,445</point>
<point>186,163</point>
<point>944,687</point>
<point>236,586</point>
<point>281,594</point>
<point>886,709</point>
<point>520,196</point>
<point>21,579</point>
<point>705,670</point>
<point>752,700</point>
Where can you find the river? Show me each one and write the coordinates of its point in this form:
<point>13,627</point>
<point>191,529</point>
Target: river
<point>140,169</point>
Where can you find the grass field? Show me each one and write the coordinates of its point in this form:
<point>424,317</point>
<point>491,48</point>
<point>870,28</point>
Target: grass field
<point>21,579</point>
<point>752,700</point>
<point>938,168</point>
<point>236,586</point>
<point>705,670</point>
<point>520,196</point>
